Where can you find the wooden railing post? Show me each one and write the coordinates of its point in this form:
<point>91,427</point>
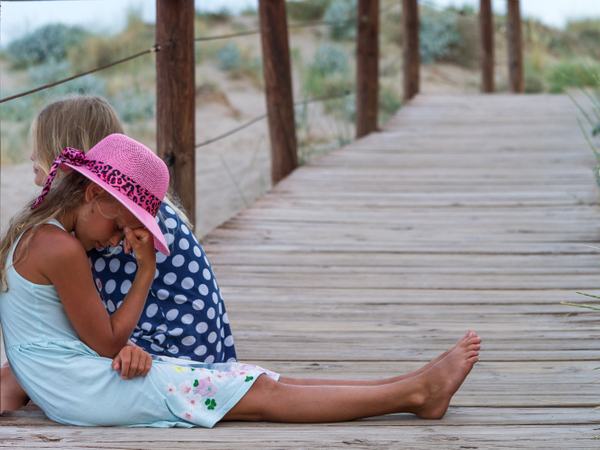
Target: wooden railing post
<point>486,27</point>
<point>412,60</point>
<point>278,87</point>
<point>367,67</point>
<point>515,47</point>
<point>175,97</point>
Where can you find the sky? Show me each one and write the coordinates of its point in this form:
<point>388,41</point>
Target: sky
<point>20,17</point>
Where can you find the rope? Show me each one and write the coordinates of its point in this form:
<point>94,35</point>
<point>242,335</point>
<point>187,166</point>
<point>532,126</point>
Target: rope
<point>262,116</point>
<point>155,48</point>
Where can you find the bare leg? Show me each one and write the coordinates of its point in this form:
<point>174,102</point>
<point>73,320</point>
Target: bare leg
<point>12,396</point>
<point>334,382</point>
<point>427,395</point>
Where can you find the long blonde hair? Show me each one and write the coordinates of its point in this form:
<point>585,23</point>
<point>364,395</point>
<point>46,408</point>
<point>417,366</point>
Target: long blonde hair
<point>64,197</point>
<point>79,122</point>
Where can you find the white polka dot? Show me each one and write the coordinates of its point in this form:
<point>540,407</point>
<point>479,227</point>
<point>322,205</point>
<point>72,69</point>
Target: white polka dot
<point>180,299</point>
<point>225,318</point>
<point>171,223</point>
<point>206,274</point>
<point>173,349</point>
<point>125,286</point>
<point>184,244</point>
<point>160,338</point>
<point>202,327</point>
<point>203,289</point>
<point>210,313</point>
<point>98,284</point>
<point>151,310</point>
<point>110,286</point>
<point>222,333</point>
<point>229,341</point>
<point>110,306</point>
<point>185,357</point>
<point>116,250</point>
<point>160,258</point>
<point>197,251</point>
<point>193,267</point>
<point>219,323</point>
<point>169,278</point>
<point>119,304</point>
<point>172,314</point>
<point>130,267</point>
<point>221,309</point>
<point>162,328</point>
<point>209,359</point>
<point>156,348</point>
<point>188,340</point>
<point>114,265</point>
<point>162,294</point>
<point>232,359</point>
<point>219,347</point>
<point>99,265</point>
<point>215,298</point>
<point>178,260</point>
<point>206,261</point>
<point>187,283</point>
<point>156,274</point>
<point>185,229</point>
<point>169,209</point>
<point>187,319</point>
<point>146,326</point>
<point>176,332</point>
<point>169,238</point>
<point>200,350</point>
<point>198,304</point>
<point>212,337</point>
<point>215,284</point>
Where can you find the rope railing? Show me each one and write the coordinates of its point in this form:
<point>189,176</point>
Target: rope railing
<point>264,115</point>
<point>157,47</point>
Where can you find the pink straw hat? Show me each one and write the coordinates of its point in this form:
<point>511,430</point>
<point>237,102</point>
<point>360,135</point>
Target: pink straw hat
<point>127,170</point>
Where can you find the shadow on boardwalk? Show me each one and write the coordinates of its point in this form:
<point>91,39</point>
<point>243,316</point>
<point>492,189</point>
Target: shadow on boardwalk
<point>464,212</point>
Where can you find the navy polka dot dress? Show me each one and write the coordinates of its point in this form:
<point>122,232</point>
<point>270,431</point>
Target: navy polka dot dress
<point>184,315</point>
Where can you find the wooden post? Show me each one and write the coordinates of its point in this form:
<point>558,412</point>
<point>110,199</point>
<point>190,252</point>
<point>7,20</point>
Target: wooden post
<point>278,87</point>
<point>412,60</point>
<point>515,47</point>
<point>367,67</point>
<point>486,27</point>
<point>175,97</point>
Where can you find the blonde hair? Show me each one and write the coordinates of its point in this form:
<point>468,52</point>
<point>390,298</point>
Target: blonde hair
<point>65,197</point>
<point>79,122</point>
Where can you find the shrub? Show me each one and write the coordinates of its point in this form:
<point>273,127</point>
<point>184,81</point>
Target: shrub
<point>304,11</point>
<point>438,35</point>
<point>587,35</point>
<point>573,73</point>
<point>133,104</point>
<point>45,73</point>
<point>343,14</point>
<point>328,74</point>
<point>49,43</point>
<point>229,57</point>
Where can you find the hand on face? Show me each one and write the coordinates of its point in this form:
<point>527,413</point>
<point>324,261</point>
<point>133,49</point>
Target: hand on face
<point>141,242</point>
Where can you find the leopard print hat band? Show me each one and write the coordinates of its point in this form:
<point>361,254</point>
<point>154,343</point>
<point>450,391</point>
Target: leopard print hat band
<point>105,172</point>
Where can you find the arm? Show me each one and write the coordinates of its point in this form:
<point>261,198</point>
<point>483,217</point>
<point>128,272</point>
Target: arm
<point>67,267</point>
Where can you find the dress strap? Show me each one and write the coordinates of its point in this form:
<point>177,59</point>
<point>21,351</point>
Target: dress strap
<point>57,223</point>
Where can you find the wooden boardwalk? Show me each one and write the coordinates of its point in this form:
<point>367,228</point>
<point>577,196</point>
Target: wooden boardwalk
<point>464,212</point>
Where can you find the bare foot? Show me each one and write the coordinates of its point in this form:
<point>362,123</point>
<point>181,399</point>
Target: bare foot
<point>468,334</point>
<point>444,378</point>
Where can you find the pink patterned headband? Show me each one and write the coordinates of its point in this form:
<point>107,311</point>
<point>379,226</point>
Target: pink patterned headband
<point>105,172</point>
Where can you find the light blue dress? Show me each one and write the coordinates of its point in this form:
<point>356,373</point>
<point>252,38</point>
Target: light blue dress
<point>73,385</point>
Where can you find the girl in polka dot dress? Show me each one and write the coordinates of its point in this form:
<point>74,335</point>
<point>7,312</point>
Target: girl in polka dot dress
<point>185,315</point>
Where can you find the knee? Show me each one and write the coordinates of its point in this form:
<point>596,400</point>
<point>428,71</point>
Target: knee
<point>259,399</point>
